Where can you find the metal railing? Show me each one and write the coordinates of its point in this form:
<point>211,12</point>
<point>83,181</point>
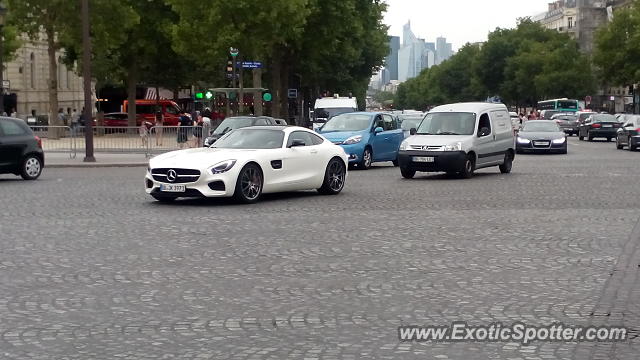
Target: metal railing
<point>120,139</point>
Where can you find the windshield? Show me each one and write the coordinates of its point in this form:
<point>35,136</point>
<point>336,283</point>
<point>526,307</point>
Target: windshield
<point>448,124</point>
<point>604,118</point>
<point>540,126</point>
<point>408,124</point>
<point>251,139</point>
<point>564,117</point>
<point>584,116</point>
<point>233,123</point>
<point>331,112</point>
<point>348,122</point>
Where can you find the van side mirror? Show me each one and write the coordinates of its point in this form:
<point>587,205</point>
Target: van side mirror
<point>413,131</point>
<point>378,130</point>
<point>484,132</point>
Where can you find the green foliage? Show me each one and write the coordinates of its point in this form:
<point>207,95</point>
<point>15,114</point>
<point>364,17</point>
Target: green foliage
<point>10,42</point>
<point>617,48</point>
<point>521,65</point>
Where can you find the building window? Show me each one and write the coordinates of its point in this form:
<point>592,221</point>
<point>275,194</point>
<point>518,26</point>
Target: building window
<point>59,72</point>
<point>570,22</point>
<point>33,70</point>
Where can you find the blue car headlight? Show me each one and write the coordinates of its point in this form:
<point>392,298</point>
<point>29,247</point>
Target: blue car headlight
<point>559,140</point>
<point>353,140</point>
<point>221,167</point>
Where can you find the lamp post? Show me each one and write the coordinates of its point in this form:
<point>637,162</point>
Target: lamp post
<point>3,12</point>
<point>86,77</point>
<point>234,54</point>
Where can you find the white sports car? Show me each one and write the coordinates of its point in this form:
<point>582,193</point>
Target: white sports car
<point>248,162</point>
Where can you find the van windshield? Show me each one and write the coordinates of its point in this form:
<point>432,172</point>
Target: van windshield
<point>448,124</point>
<point>327,113</point>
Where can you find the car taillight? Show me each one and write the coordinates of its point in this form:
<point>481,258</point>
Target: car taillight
<point>638,130</point>
<point>39,141</point>
<point>595,126</point>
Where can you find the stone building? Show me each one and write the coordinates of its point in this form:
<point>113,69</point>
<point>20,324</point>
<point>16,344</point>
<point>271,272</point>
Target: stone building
<point>28,76</point>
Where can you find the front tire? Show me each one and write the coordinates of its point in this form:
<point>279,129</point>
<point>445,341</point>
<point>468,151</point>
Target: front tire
<point>367,159</point>
<point>249,184</point>
<point>407,173</point>
<point>631,147</point>
<point>31,168</point>
<point>506,166</point>
<point>468,168</point>
<point>334,178</point>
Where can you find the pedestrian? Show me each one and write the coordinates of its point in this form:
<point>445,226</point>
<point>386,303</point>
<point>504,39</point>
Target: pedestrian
<point>144,133</point>
<point>184,125</point>
<point>522,118</point>
<point>159,125</point>
<point>197,130</point>
<point>14,113</point>
<point>61,118</point>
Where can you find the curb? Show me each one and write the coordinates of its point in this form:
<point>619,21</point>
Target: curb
<point>95,165</point>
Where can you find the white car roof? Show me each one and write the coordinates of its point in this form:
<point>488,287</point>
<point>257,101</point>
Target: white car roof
<point>327,103</point>
<point>476,107</point>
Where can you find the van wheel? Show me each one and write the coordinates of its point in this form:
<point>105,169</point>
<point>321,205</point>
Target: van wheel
<point>407,174</point>
<point>506,166</point>
<point>468,168</point>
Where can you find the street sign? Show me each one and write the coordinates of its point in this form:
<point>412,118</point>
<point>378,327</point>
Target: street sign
<point>292,93</point>
<point>233,52</point>
<point>266,97</point>
<point>252,64</point>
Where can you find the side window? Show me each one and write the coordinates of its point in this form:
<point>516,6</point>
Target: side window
<point>389,123</point>
<point>379,122</point>
<point>10,128</point>
<point>317,140</point>
<point>300,135</point>
<point>172,110</point>
<point>484,123</point>
<point>261,122</point>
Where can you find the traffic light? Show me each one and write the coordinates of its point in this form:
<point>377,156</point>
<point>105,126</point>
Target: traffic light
<point>208,95</point>
<point>199,96</point>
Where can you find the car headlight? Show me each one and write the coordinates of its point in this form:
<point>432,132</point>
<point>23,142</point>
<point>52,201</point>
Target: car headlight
<point>353,140</point>
<point>221,167</point>
<point>453,147</point>
<point>404,145</point>
<point>523,140</point>
<point>559,140</point>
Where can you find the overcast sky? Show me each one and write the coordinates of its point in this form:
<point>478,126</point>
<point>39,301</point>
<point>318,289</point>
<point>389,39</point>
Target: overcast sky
<point>460,21</point>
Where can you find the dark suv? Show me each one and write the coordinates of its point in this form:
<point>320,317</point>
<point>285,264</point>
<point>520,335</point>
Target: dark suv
<point>20,151</point>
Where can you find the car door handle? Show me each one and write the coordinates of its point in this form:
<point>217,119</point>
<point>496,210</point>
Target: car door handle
<point>314,151</point>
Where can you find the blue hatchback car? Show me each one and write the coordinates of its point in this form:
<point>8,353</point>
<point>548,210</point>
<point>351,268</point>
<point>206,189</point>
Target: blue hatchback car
<point>366,137</point>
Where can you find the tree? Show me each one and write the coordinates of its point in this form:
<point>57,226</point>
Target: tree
<point>43,20</point>
<point>617,48</point>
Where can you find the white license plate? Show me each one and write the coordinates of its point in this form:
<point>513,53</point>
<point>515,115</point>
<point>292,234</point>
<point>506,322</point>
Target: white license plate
<point>172,188</point>
<point>607,125</point>
<point>540,143</point>
<point>426,159</point>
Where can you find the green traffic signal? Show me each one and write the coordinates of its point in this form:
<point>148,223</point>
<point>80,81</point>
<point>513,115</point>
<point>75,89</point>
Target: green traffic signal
<point>199,95</point>
<point>266,97</point>
<point>208,95</point>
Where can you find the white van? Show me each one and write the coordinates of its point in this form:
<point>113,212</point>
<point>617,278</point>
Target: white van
<point>326,108</point>
<point>458,139</point>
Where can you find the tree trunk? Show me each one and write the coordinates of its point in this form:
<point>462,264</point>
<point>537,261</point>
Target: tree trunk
<point>132,80</point>
<point>53,84</point>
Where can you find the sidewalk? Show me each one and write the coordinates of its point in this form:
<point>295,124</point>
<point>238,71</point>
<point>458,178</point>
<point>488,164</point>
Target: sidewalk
<point>62,160</point>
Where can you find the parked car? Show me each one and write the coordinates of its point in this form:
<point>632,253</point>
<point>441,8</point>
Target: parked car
<point>459,139</point>
<point>567,122</point>
<point>237,122</point>
<point>541,136</point>
<point>629,134</point>
<point>599,126</point>
<point>120,119</point>
<point>20,150</point>
<point>366,137</point>
<point>281,159</point>
<point>409,121</point>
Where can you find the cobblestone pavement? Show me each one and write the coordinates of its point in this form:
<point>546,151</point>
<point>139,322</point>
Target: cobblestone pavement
<point>92,268</point>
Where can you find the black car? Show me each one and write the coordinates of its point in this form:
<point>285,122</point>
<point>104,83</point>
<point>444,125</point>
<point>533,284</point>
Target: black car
<point>629,134</point>
<point>237,122</point>
<point>599,126</point>
<point>541,136</point>
<point>568,123</point>
<point>20,151</point>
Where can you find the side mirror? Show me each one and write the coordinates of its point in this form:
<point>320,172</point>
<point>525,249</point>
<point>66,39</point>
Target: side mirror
<point>413,131</point>
<point>484,132</point>
<point>378,130</point>
<point>297,143</point>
